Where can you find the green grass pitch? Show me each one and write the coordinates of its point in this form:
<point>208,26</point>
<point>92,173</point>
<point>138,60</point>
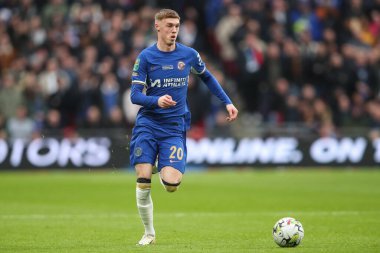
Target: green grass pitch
<point>216,211</point>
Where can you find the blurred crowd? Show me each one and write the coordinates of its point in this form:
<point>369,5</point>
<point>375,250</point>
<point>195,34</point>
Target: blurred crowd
<point>66,65</point>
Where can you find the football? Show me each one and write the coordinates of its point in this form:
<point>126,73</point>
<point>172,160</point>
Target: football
<point>288,232</point>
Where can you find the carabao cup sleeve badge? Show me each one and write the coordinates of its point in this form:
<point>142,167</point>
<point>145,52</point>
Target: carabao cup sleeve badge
<point>137,64</point>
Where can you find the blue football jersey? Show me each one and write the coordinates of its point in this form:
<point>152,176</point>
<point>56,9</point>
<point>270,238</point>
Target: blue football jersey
<point>167,73</point>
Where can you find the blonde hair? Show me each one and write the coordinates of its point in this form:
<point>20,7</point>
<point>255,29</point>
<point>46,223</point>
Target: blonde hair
<point>166,13</point>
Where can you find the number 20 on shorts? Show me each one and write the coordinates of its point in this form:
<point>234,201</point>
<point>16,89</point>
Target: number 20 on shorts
<point>176,153</point>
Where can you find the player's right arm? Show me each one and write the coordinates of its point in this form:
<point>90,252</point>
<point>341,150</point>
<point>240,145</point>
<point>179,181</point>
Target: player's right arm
<point>139,98</point>
<point>139,76</point>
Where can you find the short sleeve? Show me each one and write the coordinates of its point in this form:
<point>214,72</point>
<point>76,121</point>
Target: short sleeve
<point>139,73</point>
<point>197,65</point>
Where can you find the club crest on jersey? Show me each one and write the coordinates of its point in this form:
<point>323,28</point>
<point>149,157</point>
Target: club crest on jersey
<point>181,65</point>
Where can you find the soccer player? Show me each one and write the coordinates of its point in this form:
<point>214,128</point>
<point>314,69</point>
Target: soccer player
<point>161,123</point>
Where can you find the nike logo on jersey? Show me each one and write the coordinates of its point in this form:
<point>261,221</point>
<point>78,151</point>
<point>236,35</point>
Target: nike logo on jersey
<point>154,67</point>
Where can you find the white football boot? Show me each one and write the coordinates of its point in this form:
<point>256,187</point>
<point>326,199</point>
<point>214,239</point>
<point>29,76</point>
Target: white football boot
<point>147,239</point>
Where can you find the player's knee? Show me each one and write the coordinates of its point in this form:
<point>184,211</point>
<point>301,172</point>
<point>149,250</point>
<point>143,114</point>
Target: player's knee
<point>170,187</point>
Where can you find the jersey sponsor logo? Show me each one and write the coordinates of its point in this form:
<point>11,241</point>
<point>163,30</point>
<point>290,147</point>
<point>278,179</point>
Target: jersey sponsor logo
<point>181,65</point>
<point>172,161</point>
<point>137,64</point>
<point>176,82</point>
<point>156,82</point>
<point>167,67</point>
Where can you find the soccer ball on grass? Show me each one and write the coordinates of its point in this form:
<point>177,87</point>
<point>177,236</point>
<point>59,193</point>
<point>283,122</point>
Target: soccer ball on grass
<point>288,232</point>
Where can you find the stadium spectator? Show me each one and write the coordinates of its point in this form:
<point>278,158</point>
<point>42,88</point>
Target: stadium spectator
<point>20,126</point>
<point>7,52</point>
<point>3,131</point>
<point>272,64</point>
<point>53,120</point>
<point>251,68</point>
<point>274,107</point>
<point>109,89</point>
<point>130,110</point>
<point>224,31</point>
<point>10,96</point>
<point>93,119</point>
<point>115,118</point>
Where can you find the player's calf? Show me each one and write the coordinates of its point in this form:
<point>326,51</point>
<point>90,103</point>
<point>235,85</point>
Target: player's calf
<point>145,204</point>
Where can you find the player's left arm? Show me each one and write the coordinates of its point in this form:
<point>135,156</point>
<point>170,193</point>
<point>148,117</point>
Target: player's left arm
<point>198,67</point>
<point>218,91</point>
<point>232,112</point>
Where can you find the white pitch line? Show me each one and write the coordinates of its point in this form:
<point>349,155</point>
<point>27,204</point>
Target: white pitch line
<point>182,214</point>
<point>63,216</point>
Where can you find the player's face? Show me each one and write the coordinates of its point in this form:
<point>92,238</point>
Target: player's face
<point>167,30</point>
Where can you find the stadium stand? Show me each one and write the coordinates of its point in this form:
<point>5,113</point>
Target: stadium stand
<point>309,65</point>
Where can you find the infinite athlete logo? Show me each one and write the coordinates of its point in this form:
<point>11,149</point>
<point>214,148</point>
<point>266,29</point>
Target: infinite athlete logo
<point>169,82</point>
<point>181,65</point>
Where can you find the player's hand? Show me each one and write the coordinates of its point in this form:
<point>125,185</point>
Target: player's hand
<point>232,112</point>
<point>166,101</point>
